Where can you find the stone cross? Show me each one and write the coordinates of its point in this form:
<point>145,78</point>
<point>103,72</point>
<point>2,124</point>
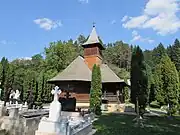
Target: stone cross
<point>56,91</point>
<point>17,94</point>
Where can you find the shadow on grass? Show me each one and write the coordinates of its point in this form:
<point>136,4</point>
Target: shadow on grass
<point>118,124</point>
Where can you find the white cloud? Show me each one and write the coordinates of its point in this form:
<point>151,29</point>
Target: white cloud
<point>6,42</point>
<point>124,18</point>
<point>48,24</point>
<point>136,22</point>
<point>137,37</point>
<point>159,15</point>
<point>113,22</point>
<point>84,1</point>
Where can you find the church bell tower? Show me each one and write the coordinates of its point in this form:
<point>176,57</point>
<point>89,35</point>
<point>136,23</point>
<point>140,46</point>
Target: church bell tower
<point>93,49</point>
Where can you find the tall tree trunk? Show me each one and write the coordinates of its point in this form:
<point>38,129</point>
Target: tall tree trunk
<point>137,107</point>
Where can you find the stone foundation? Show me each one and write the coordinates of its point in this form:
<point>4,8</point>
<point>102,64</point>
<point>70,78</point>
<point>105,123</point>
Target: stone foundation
<point>112,107</point>
<point>82,105</point>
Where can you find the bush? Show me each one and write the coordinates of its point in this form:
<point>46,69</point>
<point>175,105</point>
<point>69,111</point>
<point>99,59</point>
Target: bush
<point>155,104</point>
<point>98,110</point>
<point>38,105</point>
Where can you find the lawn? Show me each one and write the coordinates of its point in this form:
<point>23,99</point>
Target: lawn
<point>117,124</point>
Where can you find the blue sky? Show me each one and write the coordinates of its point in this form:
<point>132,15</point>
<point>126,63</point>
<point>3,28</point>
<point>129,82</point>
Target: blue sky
<point>26,27</point>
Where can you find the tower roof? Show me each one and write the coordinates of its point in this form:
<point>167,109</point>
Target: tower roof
<point>93,38</point>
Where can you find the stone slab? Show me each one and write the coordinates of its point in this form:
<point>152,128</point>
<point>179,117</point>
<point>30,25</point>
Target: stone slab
<point>41,133</point>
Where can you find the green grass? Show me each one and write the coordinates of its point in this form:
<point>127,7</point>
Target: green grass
<point>117,124</point>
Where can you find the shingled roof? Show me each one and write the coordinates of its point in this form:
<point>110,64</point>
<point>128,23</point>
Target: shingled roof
<point>108,75</point>
<point>79,71</point>
<point>76,71</point>
<point>93,39</point>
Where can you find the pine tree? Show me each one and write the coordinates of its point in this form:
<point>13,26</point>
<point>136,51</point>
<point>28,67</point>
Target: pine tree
<point>96,90</point>
<point>139,81</point>
<point>151,87</point>
<point>93,87</point>
<point>174,54</point>
<point>41,87</point>
<point>168,91</point>
<point>5,66</point>
<point>151,95</point>
<point>99,91</point>
<point>159,91</point>
<point>170,83</point>
<point>158,53</point>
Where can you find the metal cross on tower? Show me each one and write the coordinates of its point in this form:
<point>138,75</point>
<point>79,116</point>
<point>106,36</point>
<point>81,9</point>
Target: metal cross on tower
<point>94,24</point>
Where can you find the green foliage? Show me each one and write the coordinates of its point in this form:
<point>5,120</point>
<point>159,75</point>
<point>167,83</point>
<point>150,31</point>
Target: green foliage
<point>139,80</point>
<point>118,54</point>
<point>59,55</point>
<point>151,85</point>
<point>174,53</point>
<point>158,53</point>
<point>126,91</point>
<point>121,72</point>
<point>93,87</point>
<point>96,90</point>
<point>160,95</point>
<point>155,104</point>
<point>168,83</point>
<point>5,68</point>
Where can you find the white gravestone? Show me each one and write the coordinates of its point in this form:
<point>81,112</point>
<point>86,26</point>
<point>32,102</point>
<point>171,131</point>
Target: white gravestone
<point>55,106</point>
<point>25,105</point>
<point>17,94</point>
<point>11,96</point>
<point>52,124</point>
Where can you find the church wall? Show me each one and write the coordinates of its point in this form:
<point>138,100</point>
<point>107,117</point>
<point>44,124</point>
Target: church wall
<point>81,90</point>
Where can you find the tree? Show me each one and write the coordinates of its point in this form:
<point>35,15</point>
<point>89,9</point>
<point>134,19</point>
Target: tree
<point>170,83</point>
<point>118,54</point>
<point>93,87</point>
<point>59,55</point>
<point>159,91</point>
<point>157,54</point>
<point>139,81</point>
<point>126,91</point>
<point>96,90</point>
<point>81,39</point>
<point>174,53</point>
<point>148,58</point>
<point>99,91</point>
<point>4,63</point>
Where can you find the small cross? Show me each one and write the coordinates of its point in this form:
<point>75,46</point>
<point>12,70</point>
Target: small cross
<point>56,91</point>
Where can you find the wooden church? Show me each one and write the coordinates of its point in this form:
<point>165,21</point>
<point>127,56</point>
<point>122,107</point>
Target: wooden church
<point>75,80</point>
